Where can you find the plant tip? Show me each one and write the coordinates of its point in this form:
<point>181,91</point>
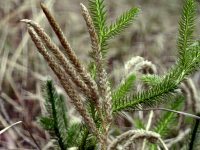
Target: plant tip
<point>42,5</point>
<point>25,20</point>
<point>83,7</point>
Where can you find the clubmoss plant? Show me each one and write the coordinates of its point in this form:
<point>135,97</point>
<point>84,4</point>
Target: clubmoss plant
<point>90,91</point>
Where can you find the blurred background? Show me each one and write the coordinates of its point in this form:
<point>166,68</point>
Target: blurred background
<point>23,71</point>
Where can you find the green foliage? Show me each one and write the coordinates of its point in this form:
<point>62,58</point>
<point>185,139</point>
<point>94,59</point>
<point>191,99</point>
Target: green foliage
<point>167,120</point>
<point>151,80</point>
<point>139,124</point>
<point>164,124</point>
<point>73,131</point>
<point>55,102</point>
<point>88,142</point>
<point>93,70</point>
<point>186,28</point>
<point>47,123</point>
<point>166,84</point>
<point>121,23</point>
<point>124,88</point>
<point>98,13</point>
<point>149,97</point>
<point>56,120</point>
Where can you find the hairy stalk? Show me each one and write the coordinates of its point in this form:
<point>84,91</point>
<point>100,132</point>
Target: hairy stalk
<point>70,53</point>
<point>59,57</point>
<point>101,73</point>
<point>65,82</point>
<point>95,48</point>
